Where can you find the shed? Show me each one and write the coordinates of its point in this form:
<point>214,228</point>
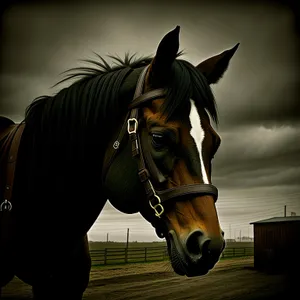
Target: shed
<point>277,244</point>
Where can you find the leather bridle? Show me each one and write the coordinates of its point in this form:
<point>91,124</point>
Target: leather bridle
<point>147,169</point>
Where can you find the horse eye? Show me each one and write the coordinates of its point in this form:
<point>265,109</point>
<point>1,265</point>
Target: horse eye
<point>158,140</point>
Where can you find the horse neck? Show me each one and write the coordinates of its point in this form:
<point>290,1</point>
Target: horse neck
<point>48,174</point>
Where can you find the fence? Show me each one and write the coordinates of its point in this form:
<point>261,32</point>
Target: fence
<point>134,255</point>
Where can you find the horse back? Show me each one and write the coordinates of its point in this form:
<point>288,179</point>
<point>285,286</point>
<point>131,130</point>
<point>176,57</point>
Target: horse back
<point>5,123</point>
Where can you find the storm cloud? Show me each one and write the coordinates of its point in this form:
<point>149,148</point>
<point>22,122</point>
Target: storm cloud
<point>257,168</point>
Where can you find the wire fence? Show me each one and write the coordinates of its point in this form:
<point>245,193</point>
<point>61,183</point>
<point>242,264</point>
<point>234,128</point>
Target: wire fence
<point>111,256</point>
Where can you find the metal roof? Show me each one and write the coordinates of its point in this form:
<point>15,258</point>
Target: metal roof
<point>278,219</point>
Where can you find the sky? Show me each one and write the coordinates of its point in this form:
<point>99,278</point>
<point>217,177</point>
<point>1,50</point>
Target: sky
<point>257,168</point>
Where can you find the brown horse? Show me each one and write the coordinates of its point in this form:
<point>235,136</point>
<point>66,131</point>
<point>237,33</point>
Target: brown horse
<point>138,134</point>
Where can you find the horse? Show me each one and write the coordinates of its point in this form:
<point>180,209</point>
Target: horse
<point>138,133</point>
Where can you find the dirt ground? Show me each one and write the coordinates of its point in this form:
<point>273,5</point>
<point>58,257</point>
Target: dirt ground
<point>233,279</point>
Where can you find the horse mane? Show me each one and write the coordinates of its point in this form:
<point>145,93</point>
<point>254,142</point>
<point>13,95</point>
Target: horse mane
<point>94,95</point>
<point>96,92</point>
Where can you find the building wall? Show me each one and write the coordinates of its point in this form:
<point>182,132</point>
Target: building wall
<point>276,245</point>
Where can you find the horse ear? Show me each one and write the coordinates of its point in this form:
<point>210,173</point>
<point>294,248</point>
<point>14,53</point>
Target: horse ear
<point>214,68</point>
<point>165,55</point>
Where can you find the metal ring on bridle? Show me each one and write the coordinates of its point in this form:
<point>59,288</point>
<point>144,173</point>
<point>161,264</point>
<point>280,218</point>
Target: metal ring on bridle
<point>5,205</point>
<point>116,145</point>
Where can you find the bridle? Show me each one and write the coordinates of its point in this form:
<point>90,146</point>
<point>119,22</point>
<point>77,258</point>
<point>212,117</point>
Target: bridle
<point>147,169</point>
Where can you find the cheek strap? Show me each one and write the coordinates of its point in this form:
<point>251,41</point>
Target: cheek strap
<point>151,165</point>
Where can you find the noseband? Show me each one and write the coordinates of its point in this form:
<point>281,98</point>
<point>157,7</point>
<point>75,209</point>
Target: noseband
<point>147,169</point>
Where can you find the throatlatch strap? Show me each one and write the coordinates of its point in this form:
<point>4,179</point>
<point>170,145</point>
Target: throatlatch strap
<point>116,143</point>
<point>113,150</point>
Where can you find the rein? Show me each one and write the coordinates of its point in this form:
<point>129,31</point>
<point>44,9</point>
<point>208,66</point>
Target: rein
<point>147,169</point>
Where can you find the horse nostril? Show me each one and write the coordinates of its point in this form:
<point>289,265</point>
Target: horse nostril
<point>213,248</point>
<point>205,248</point>
<point>222,232</point>
<point>199,246</point>
<point>193,242</point>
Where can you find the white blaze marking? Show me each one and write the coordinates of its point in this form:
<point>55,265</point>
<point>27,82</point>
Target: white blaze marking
<point>198,134</point>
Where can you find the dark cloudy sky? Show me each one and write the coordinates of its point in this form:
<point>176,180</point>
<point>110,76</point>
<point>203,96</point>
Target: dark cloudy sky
<point>257,168</point>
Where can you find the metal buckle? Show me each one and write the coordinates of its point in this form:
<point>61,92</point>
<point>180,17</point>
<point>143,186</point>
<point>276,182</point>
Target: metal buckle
<point>161,210</point>
<point>5,205</point>
<point>135,125</point>
<point>158,204</point>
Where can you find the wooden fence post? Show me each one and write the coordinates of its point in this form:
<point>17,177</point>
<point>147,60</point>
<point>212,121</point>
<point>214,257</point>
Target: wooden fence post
<point>164,254</point>
<point>105,256</point>
<point>126,255</point>
<point>145,254</point>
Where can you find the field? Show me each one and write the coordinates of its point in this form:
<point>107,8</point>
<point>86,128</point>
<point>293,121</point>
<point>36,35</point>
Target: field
<point>231,279</point>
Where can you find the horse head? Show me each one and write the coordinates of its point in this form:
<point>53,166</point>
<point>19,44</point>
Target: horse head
<point>172,145</point>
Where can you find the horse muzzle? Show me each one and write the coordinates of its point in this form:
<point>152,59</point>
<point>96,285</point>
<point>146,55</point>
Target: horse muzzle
<point>195,255</point>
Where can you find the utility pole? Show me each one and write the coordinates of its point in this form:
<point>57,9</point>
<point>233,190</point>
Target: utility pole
<point>107,238</point>
<point>229,231</point>
<point>240,235</point>
<point>285,211</point>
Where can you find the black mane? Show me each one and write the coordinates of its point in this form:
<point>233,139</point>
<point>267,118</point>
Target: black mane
<point>95,95</point>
